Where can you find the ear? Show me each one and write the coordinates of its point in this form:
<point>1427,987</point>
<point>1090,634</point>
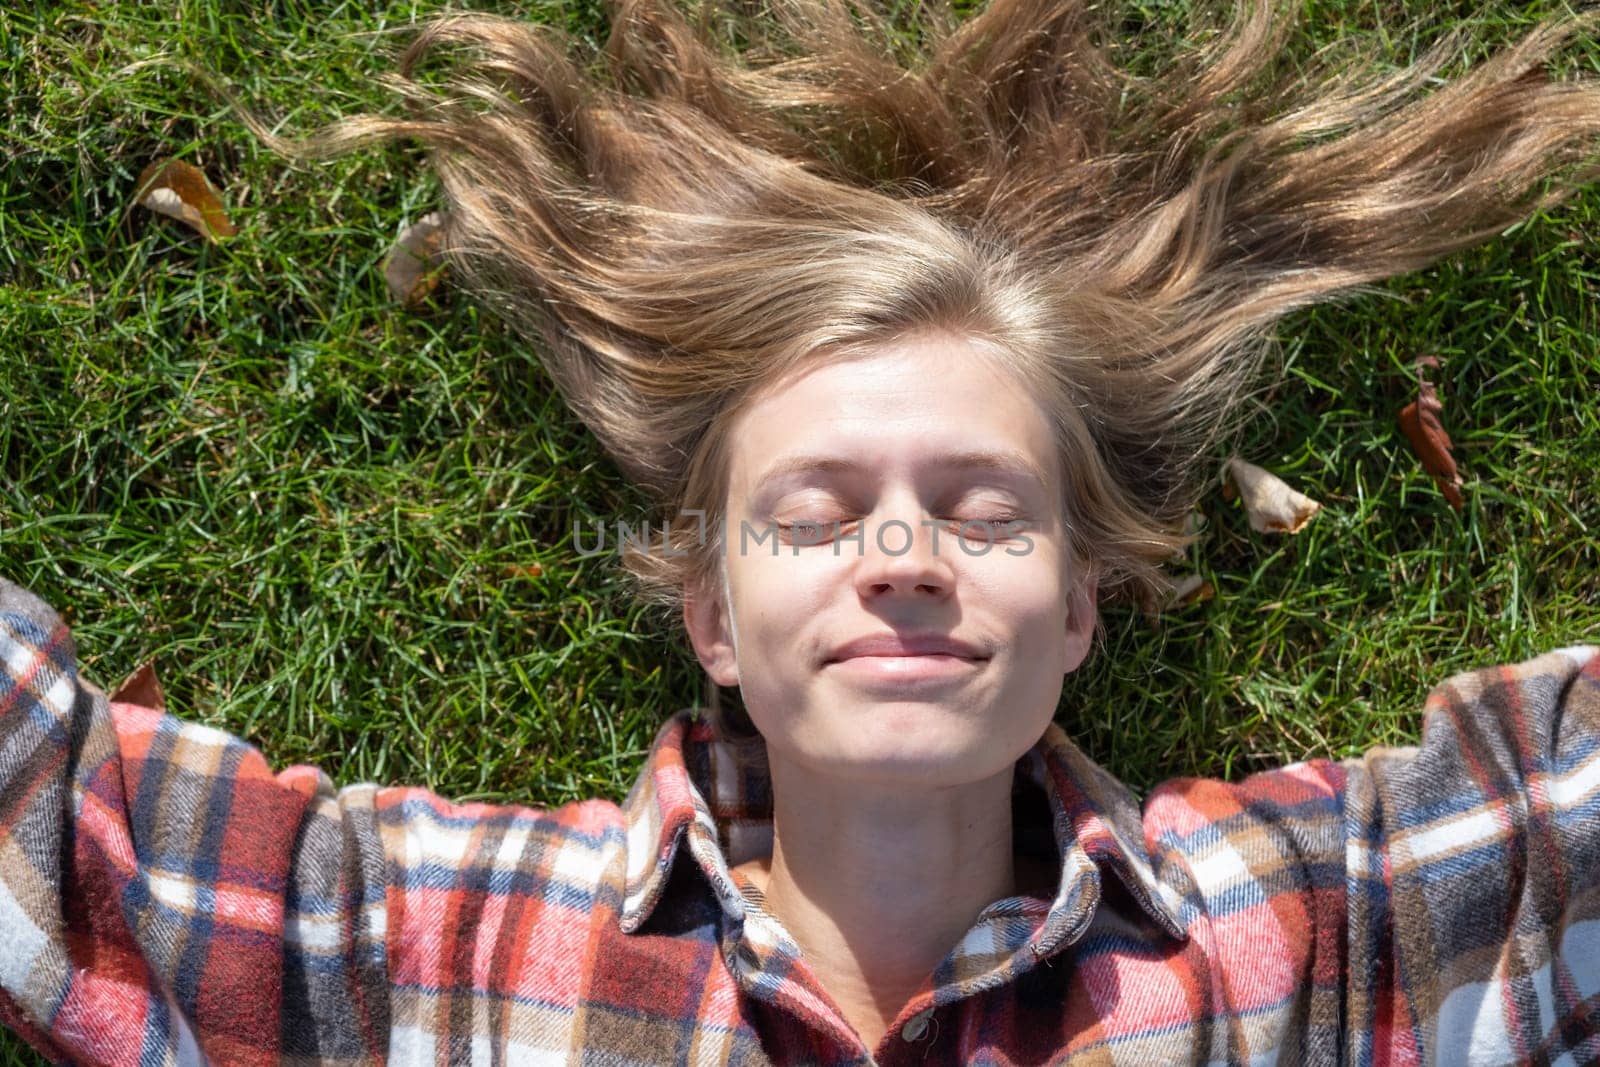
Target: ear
<point>706,618</point>
<point>1082,614</point>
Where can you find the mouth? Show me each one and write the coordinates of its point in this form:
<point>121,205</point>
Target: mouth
<point>904,656</point>
<point>900,670</point>
<point>906,647</point>
<point>895,663</point>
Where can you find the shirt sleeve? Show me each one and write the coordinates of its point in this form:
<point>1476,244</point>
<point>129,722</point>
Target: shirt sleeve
<point>1473,873</point>
<point>166,897</point>
<point>1438,903</point>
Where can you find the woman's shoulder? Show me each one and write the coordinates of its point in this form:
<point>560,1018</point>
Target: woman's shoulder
<point>1487,734</point>
<point>424,831</point>
<point>420,830</point>
<point>15,600</point>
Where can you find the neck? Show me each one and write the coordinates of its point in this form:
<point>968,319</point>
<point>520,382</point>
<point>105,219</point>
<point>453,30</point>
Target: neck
<point>878,884</point>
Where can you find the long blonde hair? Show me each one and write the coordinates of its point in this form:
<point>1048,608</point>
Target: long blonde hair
<point>711,197</point>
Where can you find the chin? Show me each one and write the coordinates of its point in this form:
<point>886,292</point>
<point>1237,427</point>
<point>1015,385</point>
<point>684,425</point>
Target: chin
<point>911,741</point>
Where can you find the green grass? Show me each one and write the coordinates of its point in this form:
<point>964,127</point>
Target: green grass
<point>313,510</point>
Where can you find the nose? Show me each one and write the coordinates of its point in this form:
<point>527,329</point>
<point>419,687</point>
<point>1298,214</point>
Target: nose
<point>902,552</point>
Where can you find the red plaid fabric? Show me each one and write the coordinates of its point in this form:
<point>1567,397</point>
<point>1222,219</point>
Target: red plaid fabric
<point>166,898</point>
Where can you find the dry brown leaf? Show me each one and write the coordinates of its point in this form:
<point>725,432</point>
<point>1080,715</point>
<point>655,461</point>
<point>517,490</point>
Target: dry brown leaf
<point>1425,430</point>
<point>415,263</point>
<point>142,687</point>
<point>1191,589</point>
<point>174,188</point>
<point>1194,525</point>
<point>524,570</point>
<point>1272,506</point>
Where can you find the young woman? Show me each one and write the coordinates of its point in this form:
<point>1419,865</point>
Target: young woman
<point>918,364</point>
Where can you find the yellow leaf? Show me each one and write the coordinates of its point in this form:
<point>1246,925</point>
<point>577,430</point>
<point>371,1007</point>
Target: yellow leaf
<point>1191,589</point>
<point>1269,502</point>
<point>413,266</point>
<point>174,188</point>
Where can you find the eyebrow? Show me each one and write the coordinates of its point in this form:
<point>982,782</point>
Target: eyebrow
<point>1013,464</point>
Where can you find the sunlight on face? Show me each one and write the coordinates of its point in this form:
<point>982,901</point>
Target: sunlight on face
<point>908,646</point>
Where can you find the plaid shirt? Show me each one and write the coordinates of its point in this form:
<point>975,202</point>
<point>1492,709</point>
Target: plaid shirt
<point>165,897</point>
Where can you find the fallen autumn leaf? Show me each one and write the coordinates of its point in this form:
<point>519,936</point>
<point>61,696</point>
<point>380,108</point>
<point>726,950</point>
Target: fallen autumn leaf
<point>1191,589</point>
<point>1425,430</point>
<point>1271,505</point>
<point>413,266</point>
<point>142,687</point>
<point>178,190</point>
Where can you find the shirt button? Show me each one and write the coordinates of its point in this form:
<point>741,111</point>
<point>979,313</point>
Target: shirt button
<point>916,1026</point>
<point>748,958</point>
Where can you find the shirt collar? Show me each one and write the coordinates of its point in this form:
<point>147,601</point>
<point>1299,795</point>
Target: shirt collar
<point>715,799</point>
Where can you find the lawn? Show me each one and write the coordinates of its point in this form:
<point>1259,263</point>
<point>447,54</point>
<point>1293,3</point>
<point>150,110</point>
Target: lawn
<point>344,530</point>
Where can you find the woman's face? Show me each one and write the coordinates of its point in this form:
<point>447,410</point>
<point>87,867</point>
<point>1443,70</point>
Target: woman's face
<point>906,649</point>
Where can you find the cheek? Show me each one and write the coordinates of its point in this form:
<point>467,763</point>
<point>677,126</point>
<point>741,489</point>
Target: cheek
<point>774,596</point>
<point>1025,592</point>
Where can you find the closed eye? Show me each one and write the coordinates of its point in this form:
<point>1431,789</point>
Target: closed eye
<point>988,528</point>
<point>996,525</point>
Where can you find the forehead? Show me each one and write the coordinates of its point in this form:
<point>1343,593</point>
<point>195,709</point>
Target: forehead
<point>932,401</point>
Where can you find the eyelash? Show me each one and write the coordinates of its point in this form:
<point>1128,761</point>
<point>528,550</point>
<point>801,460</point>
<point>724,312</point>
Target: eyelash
<point>1001,525</point>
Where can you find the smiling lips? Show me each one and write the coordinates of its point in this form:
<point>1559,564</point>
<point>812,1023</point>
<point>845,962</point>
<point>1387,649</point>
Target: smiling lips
<point>905,658</point>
